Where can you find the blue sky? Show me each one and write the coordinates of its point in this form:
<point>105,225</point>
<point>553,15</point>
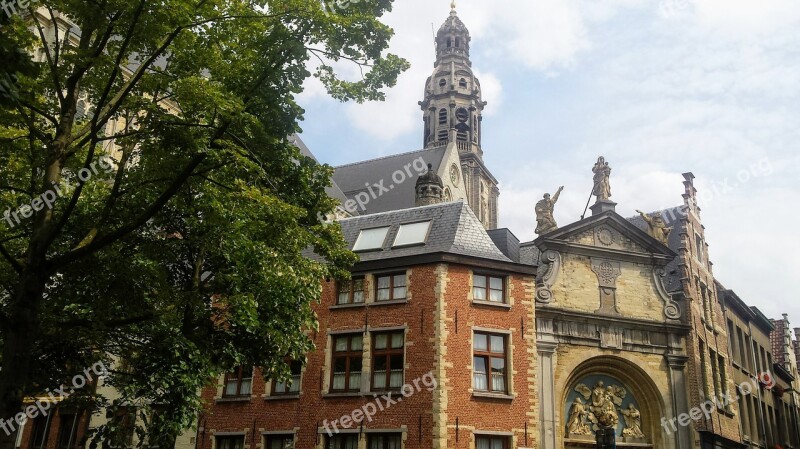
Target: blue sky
<point>659,87</point>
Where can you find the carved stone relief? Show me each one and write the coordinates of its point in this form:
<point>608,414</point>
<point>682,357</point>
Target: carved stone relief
<point>607,272</point>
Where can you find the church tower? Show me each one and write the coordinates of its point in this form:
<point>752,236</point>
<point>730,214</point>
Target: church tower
<point>452,113</point>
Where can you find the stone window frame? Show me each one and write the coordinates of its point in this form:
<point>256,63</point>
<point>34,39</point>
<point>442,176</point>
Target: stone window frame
<point>239,396</point>
<point>507,437</point>
<point>351,293</point>
<point>326,444</point>
<point>508,300</point>
<point>399,432</point>
<point>349,354</point>
<point>388,352</point>
<point>509,358</point>
<point>229,436</point>
<point>266,436</point>
<point>391,275</point>
<point>270,385</point>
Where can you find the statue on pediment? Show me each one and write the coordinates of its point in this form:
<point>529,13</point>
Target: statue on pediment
<point>545,222</point>
<point>602,183</point>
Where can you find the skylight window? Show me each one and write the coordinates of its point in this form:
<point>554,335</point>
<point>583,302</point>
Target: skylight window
<point>412,234</point>
<point>369,239</point>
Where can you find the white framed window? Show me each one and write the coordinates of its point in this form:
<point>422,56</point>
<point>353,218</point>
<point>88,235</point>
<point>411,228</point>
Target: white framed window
<point>369,239</point>
<point>412,233</point>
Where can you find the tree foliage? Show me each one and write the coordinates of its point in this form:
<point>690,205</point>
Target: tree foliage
<point>185,256</point>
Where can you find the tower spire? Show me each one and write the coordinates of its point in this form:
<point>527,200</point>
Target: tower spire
<point>452,105</point>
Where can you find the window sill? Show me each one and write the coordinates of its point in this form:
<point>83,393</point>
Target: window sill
<point>346,394</point>
<point>489,395</point>
<point>347,306</point>
<point>388,303</point>
<point>233,399</point>
<point>281,397</point>
<point>499,305</point>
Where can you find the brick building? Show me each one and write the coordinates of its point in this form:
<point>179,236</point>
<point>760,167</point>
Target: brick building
<point>690,276</point>
<point>432,303</point>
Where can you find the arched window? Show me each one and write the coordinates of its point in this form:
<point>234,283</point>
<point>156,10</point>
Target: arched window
<point>458,42</point>
<point>449,42</point>
<point>443,116</point>
<point>462,83</point>
<point>442,83</point>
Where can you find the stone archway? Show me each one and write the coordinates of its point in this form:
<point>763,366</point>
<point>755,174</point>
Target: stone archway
<point>639,391</point>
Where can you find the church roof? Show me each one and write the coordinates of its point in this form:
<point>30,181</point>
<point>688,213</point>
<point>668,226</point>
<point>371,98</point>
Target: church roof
<point>333,191</point>
<point>454,230</point>
<point>354,178</point>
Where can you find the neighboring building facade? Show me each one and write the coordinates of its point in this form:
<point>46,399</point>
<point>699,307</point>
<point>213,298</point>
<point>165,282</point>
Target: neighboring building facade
<point>786,370</point>
<point>767,416</point>
<point>691,277</point>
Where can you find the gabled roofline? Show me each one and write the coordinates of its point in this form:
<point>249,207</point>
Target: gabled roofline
<point>659,252</point>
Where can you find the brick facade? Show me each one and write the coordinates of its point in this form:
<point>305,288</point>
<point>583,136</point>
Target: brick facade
<point>438,319</point>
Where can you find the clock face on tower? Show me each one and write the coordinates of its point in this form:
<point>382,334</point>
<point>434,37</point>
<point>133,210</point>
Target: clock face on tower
<point>454,175</point>
<point>462,115</point>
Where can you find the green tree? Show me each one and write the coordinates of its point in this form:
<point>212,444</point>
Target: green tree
<point>185,256</point>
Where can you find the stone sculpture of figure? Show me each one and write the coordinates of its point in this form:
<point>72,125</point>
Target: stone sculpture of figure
<point>599,395</point>
<point>608,411</point>
<point>602,184</point>
<point>577,419</point>
<point>545,222</point>
<point>656,227</point>
<point>633,422</point>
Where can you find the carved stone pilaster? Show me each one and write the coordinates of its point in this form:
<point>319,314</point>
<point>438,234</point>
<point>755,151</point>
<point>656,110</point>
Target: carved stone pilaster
<point>547,395</point>
<point>546,277</point>
<point>680,405</point>
<point>607,272</point>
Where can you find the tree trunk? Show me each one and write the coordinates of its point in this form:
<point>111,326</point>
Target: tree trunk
<point>20,331</point>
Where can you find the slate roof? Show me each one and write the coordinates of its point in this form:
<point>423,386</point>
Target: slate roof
<point>672,217</point>
<point>351,178</point>
<point>333,191</point>
<point>454,230</point>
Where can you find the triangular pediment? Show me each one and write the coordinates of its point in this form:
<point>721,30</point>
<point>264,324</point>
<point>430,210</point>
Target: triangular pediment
<point>605,232</point>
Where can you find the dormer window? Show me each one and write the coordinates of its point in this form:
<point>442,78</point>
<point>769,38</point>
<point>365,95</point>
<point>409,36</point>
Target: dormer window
<point>371,239</point>
<point>412,234</point>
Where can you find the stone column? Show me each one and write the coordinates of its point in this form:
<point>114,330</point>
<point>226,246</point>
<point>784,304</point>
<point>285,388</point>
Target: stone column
<point>547,396</point>
<point>680,405</point>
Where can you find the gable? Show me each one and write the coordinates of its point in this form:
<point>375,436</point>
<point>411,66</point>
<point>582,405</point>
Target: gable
<point>606,233</point>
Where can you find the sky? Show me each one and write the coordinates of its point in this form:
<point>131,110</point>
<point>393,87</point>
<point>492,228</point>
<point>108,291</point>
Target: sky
<point>658,87</point>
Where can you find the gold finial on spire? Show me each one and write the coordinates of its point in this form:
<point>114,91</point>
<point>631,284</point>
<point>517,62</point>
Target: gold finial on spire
<point>453,5</point>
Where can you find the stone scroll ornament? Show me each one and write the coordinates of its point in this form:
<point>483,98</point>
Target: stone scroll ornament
<point>671,308</point>
<point>546,277</point>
